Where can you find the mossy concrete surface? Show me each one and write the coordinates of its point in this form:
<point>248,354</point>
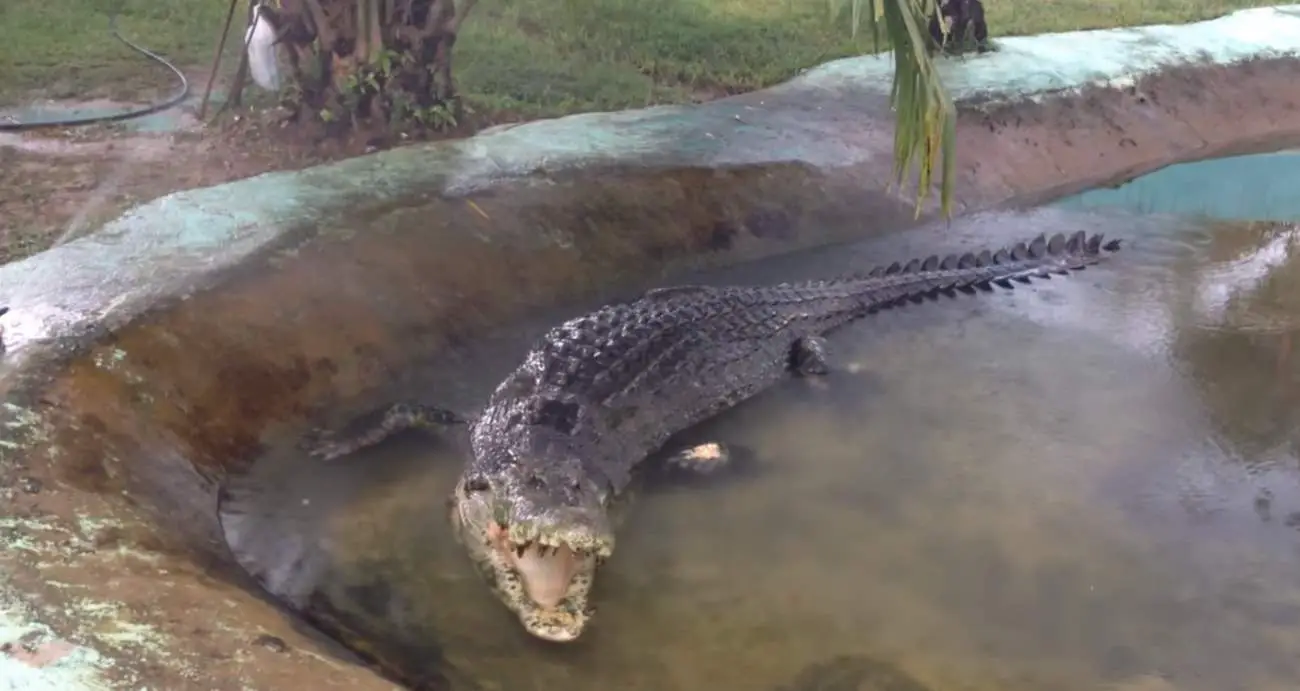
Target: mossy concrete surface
<point>152,359</point>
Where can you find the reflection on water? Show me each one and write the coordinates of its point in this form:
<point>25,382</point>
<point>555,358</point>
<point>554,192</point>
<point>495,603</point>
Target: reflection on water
<point>1260,186</point>
<point>1247,308</point>
<point>1081,486</point>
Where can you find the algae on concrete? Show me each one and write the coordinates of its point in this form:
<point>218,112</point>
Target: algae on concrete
<point>65,668</point>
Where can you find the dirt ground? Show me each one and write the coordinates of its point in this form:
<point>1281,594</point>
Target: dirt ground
<point>59,184</point>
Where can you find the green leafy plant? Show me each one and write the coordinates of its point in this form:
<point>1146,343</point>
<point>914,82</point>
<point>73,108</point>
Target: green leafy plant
<point>924,117</point>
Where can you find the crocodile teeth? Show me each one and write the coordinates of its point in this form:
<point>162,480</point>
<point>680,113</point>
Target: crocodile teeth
<point>524,538</point>
<point>522,535</point>
<point>542,549</point>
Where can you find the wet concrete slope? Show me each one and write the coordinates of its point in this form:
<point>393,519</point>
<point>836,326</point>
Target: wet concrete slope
<point>152,360</point>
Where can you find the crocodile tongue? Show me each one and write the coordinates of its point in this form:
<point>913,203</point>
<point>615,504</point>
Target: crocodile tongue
<point>546,572</point>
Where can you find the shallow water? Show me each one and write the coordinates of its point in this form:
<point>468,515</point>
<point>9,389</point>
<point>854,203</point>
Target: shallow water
<point>1086,484</point>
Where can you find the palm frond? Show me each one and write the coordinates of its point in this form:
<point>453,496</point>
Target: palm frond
<point>925,120</point>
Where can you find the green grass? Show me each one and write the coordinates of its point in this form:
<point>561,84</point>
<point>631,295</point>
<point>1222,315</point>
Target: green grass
<point>530,57</point>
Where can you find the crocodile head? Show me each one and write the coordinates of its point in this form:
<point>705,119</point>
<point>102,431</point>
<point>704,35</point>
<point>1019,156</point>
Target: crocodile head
<point>537,532</point>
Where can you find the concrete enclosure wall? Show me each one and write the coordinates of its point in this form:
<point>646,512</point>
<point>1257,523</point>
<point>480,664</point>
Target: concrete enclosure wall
<point>150,360</point>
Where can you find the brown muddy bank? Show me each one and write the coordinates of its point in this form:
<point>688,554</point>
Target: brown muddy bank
<point>1041,149</point>
<point>149,362</point>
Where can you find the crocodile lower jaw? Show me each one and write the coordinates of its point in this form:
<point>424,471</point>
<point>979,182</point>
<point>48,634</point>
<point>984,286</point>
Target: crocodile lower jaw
<point>545,585</point>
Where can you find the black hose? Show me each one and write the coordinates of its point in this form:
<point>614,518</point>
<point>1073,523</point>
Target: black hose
<point>180,95</point>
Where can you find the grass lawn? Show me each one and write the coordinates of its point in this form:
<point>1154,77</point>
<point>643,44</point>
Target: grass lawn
<point>530,57</point>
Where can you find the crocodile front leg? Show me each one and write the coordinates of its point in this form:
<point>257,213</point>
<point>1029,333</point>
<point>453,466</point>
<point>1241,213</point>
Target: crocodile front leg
<point>703,459</point>
<point>377,426</point>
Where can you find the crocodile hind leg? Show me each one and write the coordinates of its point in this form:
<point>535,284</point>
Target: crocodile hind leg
<point>377,426</point>
<point>808,357</point>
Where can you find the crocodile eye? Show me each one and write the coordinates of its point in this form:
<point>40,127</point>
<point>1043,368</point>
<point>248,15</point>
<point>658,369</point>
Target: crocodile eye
<point>476,483</point>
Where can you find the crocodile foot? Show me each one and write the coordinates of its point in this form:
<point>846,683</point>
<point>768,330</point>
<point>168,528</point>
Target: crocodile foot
<point>376,426</point>
<point>704,459</point>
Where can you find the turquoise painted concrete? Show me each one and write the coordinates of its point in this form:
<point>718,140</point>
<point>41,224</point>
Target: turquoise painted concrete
<point>1028,65</point>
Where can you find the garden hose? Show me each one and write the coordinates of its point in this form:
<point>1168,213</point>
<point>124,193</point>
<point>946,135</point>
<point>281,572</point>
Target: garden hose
<point>8,125</point>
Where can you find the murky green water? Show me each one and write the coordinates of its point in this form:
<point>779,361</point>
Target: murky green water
<point>1090,484</point>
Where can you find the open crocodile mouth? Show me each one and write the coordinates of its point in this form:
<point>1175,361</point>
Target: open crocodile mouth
<point>548,567</point>
<point>544,576</point>
<point>545,580</point>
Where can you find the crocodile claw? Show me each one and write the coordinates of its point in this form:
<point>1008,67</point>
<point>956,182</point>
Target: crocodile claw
<point>323,444</point>
<point>704,459</point>
<point>376,426</point>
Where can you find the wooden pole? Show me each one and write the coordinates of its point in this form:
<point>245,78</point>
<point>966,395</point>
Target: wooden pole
<point>235,97</point>
<point>216,60</point>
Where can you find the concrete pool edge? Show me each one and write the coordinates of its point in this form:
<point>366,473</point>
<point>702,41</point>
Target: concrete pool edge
<point>91,341</point>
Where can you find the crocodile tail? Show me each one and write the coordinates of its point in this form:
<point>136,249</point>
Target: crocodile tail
<point>929,278</point>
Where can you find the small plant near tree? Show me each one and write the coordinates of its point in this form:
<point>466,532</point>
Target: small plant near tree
<point>364,64</point>
<point>369,63</point>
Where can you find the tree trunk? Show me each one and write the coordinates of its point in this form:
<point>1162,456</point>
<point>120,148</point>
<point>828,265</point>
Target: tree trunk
<point>372,64</point>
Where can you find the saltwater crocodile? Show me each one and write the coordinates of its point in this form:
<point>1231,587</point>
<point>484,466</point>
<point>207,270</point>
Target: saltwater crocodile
<point>561,438</point>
